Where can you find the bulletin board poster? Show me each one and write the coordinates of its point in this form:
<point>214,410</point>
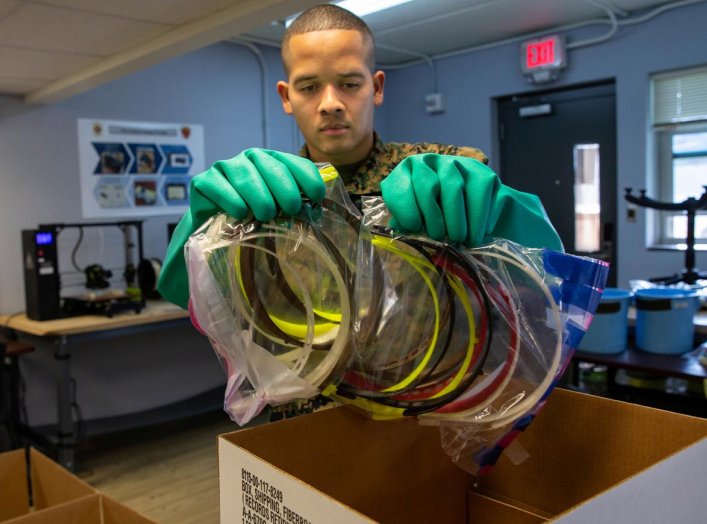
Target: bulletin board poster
<point>137,169</point>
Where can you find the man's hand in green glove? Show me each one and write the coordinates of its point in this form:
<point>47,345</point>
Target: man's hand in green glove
<point>463,200</point>
<point>258,181</point>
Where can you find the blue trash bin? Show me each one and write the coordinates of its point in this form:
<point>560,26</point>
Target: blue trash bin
<point>608,332</point>
<point>665,320</point>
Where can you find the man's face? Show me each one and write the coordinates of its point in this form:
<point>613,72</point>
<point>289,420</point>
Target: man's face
<point>331,92</point>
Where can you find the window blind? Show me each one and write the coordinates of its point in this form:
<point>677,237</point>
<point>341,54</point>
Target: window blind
<point>680,96</point>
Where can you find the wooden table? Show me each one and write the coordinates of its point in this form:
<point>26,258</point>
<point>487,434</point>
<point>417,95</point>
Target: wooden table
<point>62,332</point>
<point>685,366</point>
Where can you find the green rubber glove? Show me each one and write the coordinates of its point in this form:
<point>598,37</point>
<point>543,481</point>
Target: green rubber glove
<point>463,200</point>
<point>258,181</point>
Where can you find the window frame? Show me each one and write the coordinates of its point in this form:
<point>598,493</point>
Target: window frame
<point>662,134</point>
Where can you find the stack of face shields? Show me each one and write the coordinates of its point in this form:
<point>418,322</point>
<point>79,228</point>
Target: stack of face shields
<point>276,300</point>
<point>470,340</point>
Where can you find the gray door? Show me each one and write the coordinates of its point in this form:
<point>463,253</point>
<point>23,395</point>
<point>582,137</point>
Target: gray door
<point>558,145</point>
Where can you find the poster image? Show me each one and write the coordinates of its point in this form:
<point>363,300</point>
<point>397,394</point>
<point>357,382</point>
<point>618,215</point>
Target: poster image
<point>112,162</point>
<point>146,160</point>
<point>145,192</point>
<point>112,158</point>
<point>133,169</point>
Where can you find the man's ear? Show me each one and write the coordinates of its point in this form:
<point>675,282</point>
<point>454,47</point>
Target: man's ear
<point>378,81</point>
<point>283,89</point>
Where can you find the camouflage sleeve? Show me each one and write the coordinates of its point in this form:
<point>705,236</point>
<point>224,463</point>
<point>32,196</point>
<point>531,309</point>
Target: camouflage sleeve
<point>386,156</point>
<point>471,152</point>
<point>405,150</point>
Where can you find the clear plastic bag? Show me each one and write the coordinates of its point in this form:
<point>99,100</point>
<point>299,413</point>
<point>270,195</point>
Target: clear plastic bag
<point>470,340</point>
<point>275,300</point>
<point>573,286</point>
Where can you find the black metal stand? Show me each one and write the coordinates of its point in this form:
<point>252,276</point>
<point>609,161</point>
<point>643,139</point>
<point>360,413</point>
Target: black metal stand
<point>690,274</point>
<point>123,225</point>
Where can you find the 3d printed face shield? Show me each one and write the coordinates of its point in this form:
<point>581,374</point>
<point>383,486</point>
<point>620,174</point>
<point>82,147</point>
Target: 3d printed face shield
<point>431,359</point>
<point>297,332</point>
<point>276,301</point>
<point>576,284</point>
<point>271,355</point>
<point>529,370</point>
<point>516,350</point>
<point>526,337</point>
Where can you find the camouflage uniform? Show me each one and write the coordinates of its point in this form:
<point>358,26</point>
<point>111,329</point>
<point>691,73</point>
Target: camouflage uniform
<point>385,156</point>
<point>366,181</point>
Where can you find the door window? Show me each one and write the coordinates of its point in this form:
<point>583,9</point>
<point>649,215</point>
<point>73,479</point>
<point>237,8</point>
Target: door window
<point>587,205</point>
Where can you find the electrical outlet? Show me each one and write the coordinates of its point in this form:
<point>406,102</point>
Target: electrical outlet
<point>630,214</point>
<point>435,103</point>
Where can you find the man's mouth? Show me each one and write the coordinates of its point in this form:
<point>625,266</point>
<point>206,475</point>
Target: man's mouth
<point>333,129</point>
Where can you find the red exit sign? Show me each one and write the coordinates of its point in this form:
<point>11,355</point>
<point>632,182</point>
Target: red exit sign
<point>542,54</point>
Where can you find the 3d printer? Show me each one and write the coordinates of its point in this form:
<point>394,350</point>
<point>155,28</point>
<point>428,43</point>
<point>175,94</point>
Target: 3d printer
<point>49,294</point>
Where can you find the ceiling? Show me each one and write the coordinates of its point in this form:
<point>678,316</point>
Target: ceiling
<point>53,49</point>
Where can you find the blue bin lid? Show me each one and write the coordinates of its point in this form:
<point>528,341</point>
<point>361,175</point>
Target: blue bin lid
<point>662,293</point>
<point>611,294</point>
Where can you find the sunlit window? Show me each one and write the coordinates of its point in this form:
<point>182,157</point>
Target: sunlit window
<point>680,134</point>
<point>689,152</point>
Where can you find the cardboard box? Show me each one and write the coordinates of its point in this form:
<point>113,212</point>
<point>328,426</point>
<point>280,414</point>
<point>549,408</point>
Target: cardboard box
<point>50,484</point>
<point>49,494</point>
<point>588,456</point>
<point>91,509</point>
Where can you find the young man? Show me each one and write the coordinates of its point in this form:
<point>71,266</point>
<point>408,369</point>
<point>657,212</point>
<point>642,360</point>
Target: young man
<point>331,90</point>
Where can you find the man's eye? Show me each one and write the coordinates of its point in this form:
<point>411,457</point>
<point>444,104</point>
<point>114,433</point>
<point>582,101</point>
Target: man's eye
<point>307,88</point>
<point>351,85</point>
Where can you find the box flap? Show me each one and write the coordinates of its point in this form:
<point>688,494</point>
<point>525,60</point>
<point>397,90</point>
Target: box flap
<point>52,484</point>
<point>586,430</point>
<point>90,509</point>
<point>670,491</point>
<point>485,510</point>
<point>14,491</point>
<point>85,510</point>
<point>116,513</point>
<point>403,463</point>
<point>252,490</point>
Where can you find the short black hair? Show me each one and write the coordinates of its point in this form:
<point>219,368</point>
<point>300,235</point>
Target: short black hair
<point>326,17</point>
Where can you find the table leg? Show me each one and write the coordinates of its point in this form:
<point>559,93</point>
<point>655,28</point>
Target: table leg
<point>65,425</point>
<point>613,390</point>
<point>15,416</point>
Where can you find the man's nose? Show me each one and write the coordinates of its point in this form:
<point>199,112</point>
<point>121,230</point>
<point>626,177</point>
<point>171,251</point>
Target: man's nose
<point>330,102</point>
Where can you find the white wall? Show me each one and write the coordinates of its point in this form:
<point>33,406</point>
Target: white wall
<point>218,87</point>
<point>675,39</point>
